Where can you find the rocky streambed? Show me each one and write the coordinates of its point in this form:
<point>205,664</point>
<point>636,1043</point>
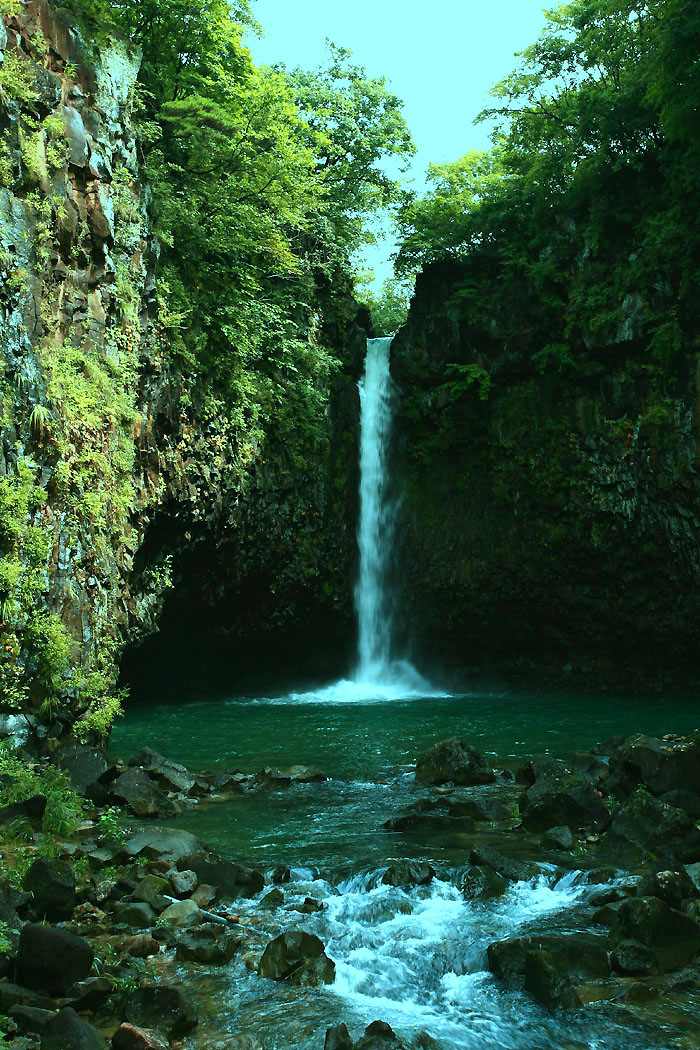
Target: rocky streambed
<point>550,903</point>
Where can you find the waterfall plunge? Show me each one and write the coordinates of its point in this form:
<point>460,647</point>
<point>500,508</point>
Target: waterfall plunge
<point>375,533</point>
<point>379,673</point>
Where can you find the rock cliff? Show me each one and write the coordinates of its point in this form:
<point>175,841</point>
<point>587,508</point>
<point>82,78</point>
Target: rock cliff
<point>551,514</point>
<point>118,492</point>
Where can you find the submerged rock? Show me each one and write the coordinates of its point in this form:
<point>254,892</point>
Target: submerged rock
<point>409,873</point>
<point>297,957</point>
<point>509,867</point>
<point>208,944</point>
<point>453,761</point>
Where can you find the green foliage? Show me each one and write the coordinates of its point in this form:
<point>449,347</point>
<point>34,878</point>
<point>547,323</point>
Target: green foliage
<point>465,377</point>
<point>16,79</point>
<point>388,309</point>
<point>111,826</point>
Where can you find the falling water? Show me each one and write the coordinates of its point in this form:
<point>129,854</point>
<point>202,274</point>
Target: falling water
<point>376,527</point>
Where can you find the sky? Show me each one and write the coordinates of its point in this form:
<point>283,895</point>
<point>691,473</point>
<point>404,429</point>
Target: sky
<point>441,57</point>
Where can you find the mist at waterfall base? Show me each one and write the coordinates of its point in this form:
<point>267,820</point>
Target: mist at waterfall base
<point>379,674</point>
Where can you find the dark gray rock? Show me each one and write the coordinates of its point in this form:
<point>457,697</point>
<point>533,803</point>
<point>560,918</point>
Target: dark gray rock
<point>164,1007</point>
<point>509,867</point>
<point>162,843</point>
<point>482,883</point>
<point>15,995</point>
<point>573,803</point>
<point>85,765</point>
<point>51,958</point>
<point>30,809</point>
<point>297,957</point>
<point>208,943</point>
<point>453,761</point>
<point>338,1038</point>
<point>138,914</point>
<point>67,1031</point>
<point>31,1018</point>
<point>546,983</point>
<point>379,1036</point>
<point>409,873</point>
<point>280,875</point>
<point>142,795</point>
<point>646,830</point>
<point>672,887</point>
<point>131,1037</point>
<point>672,936</point>
<point>578,956</point>
<point>52,886</point>
<point>170,775</point>
<point>659,765</point>
<point>558,838</point>
<point>231,879</point>
<point>633,959</point>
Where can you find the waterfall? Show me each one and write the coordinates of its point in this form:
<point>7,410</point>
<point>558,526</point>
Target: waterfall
<point>377,520</point>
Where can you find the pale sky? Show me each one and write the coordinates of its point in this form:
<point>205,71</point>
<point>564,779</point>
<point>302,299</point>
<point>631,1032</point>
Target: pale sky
<point>440,56</point>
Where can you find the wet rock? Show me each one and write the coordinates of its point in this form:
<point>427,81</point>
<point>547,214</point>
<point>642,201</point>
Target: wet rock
<point>169,843</point>
<point>338,1038</point>
<point>135,913</point>
<point>90,994</point>
<point>672,887</point>
<point>85,765</point>
<point>510,868</point>
<point>422,824</point>
<point>205,895</point>
<point>542,767</point>
<point>66,1030</point>
<point>275,896</point>
<point>182,913</point>
<point>244,1041</point>
<point>644,830</point>
<point>573,803</point>
<point>52,886</point>
<point>311,906</point>
<point>659,765</point>
<point>151,890</point>
<point>164,1007</point>
<point>672,936</point>
<point>409,873</point>
<point>131,1037</point>
<point>231,879</point>
<point>141,795</point>
<point>51,958</point>
<point>183,883</point>
<point>575,955</point>
<point>558,838</point>
<point>297,957</point>
<point>453,761</point>
<point>631,957</point>
<point>486,809</point>
<point>269,779</point>
<point>545,982</point>
<point>31,1018</point>
<point>208,944</point>
<point>31,810</point>
<point>379,1036</point>
<point>305,775</point>
<point>482,883</point>
<point>139,946</point>
<point>170,775</point>
<point>685,800</point>
<point>281,875</point>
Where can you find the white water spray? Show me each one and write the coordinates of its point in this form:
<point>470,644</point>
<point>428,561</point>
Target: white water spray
<point>376,527</point>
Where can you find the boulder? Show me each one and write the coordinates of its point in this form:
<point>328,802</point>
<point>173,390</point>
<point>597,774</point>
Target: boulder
<point>91,993</point>
<point>138,914</point>
<point>558,838</point>
<point>672,936</point>
<point>338,1038</point>
<point>659,765</point>
<point>183,883</point>
<point>542,767</point>
<point>131,1037</point>
<point>152,889</point>
<point>576,956</point>
<point>31,1018</point>
<point>297,957</point>
<point>634,960</point>
<point>52,886</point>
<point>644,830</point>
<point>29,809</point>
<point>546,983</point>
<point>453,761</point>
<point>482,883</point>
<point>164,1007</point>
<point>52,958</point>
<point>182,913</point>
<point>231,879</point>
<point>510,868</point>
<point>142,795</point>
<point>85,765</point>
<point>170,775</point>
<point>379,1036</point>
<point>139,945</point>
<point>573,803</point>
<point>281,874</point>
<point>426,825</point>
<point>672,887</point>
<point>209,944</point>
<point>162,843</point>
<point>409,873</point>
<point>67,1030</point>
<point>14,995</point>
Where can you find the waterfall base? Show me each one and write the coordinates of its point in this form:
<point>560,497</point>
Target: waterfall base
<point>397,680</point>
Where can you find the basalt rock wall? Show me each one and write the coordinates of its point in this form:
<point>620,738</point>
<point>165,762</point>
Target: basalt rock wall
<point>551,521</point>
<point>118,493</point>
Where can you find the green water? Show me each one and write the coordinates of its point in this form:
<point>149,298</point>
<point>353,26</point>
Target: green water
<point>415,958</point>
<point>364,748</point>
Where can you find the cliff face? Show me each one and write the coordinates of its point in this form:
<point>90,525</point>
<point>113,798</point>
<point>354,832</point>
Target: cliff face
<point>551,515</point>
<point>115,489</point>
